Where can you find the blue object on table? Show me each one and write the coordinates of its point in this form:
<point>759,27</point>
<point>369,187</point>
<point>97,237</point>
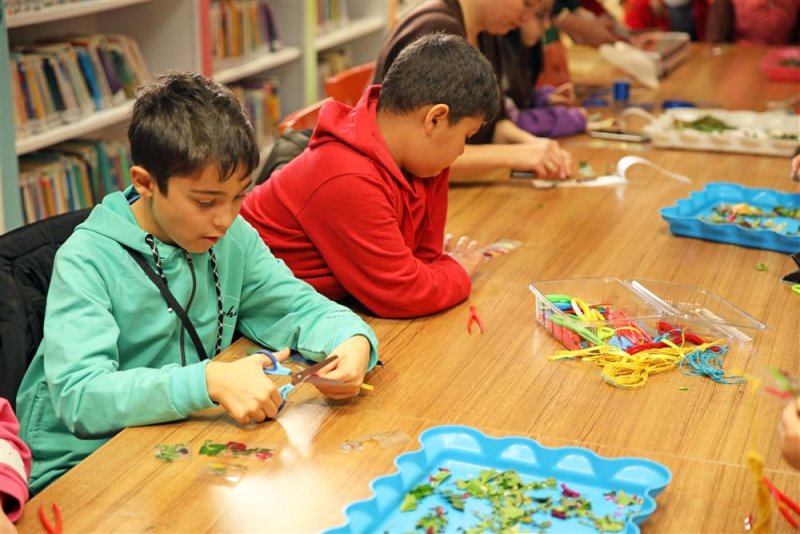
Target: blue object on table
<point>621,90</point>
<point>666,104</point>
<point>466,451</point>
<point>683,217</point>
<point>280,370</point>
<point>595,103</point>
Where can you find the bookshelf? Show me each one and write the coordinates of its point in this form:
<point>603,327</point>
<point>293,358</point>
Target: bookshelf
<point>175,35</point>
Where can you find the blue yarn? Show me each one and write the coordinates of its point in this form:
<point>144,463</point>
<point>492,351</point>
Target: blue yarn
<point>709,363</point>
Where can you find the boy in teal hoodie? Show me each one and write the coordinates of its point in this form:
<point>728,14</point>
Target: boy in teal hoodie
<point>115,354</point>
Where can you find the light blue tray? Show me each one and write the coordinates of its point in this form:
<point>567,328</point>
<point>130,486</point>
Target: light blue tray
<point>466,451</point>
<point>683,217</point>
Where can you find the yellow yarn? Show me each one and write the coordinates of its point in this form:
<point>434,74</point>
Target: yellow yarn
<point>764,516</point>
<point>756,464</point>
<point>625,370</point>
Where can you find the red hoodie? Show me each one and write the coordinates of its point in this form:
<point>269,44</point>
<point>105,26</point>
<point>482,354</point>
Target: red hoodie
<point>345,219</point>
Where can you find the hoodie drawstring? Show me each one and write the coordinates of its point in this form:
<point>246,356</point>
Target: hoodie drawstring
<point>220,309</point>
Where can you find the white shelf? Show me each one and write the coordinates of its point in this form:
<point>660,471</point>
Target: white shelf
<point>94,122</point>
<point>353,30</point>
<point>261,63</point>
<point>61,12</point>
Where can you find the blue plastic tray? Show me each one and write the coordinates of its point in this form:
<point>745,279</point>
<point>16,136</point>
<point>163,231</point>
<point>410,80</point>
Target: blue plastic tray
<point>683,217</point>
<point>466,451</point>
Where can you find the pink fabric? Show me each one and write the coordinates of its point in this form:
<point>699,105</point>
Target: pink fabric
<point>765,21</point>
<point>12,485</point>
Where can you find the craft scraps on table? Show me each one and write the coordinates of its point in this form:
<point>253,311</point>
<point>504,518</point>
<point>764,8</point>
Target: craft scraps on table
<point>504,246</point>
<point>225,472</point>
<point>386,440</point>
<point>512,504</point>
<point>762,267</point>
<point>786,385</point>
<point>236,449</point>
<point>754,218</point>
<point>586,170</point>
<point>171,452</point>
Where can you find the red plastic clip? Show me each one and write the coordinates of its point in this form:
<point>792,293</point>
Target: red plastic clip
<point>474,318</point>
<point>49,527</point>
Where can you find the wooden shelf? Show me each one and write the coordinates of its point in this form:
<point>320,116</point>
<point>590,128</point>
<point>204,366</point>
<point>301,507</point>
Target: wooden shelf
<point>64,11</point>
<point>258,64</point>
<point>93,122</point>
<point>352,30</point>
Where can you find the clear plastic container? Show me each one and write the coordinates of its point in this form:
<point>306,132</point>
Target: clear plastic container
<point>640,309</point>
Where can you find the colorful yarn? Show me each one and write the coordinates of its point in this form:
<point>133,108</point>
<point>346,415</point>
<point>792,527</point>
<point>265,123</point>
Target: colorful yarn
<point>624,370</point>
<point>709,363</point>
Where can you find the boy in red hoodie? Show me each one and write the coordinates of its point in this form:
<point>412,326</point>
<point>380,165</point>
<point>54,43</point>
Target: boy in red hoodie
<point>362,210</point>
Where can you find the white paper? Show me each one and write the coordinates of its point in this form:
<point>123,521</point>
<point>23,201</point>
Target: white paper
<point>619,178</point>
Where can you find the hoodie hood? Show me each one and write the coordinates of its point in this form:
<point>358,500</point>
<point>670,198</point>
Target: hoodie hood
<point>357,128</point>
<point>114,219</point>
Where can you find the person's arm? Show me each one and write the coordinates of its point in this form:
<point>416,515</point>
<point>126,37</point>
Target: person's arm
<point>789,432</point>
<point>552,121</point>
<point>82,360</point>
<point>278,310</point>
<point>15,464</point>
<point>720,22</point>
<point>352,221</point>
<point>512,149</point>
<point>584,28</point>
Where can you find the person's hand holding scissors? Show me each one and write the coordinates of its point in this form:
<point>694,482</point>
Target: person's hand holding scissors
<point>348,369</point>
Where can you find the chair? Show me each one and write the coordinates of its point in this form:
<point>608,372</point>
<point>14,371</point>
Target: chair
<point>26,265</point>
<point>348,85</point>
<point>302,118</point>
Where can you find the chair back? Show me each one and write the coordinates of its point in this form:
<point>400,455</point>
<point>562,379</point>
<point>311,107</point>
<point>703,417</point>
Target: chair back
<point>26,265</point>
<point>302,118</point>
<point>347,86</point>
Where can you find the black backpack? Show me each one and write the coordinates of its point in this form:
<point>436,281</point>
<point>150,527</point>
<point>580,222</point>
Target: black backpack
<point>287,147</point>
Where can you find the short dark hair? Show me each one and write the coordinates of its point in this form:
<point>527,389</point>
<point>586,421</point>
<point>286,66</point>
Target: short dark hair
<point>441,68</point>
<point>183,122</point>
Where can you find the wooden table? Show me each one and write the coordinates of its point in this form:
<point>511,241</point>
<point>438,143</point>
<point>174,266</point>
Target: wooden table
<point>501,382</point>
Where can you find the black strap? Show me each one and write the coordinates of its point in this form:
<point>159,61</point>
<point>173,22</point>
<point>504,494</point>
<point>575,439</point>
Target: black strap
<point>171,301</point>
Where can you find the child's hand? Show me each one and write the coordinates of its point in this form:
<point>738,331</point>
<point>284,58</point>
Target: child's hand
<point>349,368</point>
<point>242,388</point>
<point>564,95</point>
<point>6,526</point>
<point>466,252</point>
<point>789,433</point>
<point>796,168</point>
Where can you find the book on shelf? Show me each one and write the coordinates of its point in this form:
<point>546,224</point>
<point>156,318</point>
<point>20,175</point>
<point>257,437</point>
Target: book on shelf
<point>72,175</point>
<point>331,15</point>
<point>59,82</point>
<point>261,101</point>
<point>332,62</point>
<point>23,6</point>
<point>241,30</point>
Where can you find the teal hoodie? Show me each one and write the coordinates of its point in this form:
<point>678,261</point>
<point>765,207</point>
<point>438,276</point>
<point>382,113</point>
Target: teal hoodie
<point>111,357</point>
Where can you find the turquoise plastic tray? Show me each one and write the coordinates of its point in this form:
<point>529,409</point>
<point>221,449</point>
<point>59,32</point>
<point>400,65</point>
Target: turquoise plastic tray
<point>466,451</point>
<point>683,217</point>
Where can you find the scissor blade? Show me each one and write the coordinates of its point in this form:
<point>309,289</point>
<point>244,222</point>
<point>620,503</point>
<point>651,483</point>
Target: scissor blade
<point>306,374</point>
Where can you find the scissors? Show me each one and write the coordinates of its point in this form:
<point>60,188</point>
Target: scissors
<point>306,375</point>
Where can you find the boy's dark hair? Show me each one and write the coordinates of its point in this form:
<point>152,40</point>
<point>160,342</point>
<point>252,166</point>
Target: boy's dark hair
<point>441,68</point>
<point>182,122</point>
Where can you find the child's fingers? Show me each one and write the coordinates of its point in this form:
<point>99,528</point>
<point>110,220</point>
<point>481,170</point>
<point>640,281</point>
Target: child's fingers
<point>283,354</point>
<point>448,242</point>
<point>472,248</point>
